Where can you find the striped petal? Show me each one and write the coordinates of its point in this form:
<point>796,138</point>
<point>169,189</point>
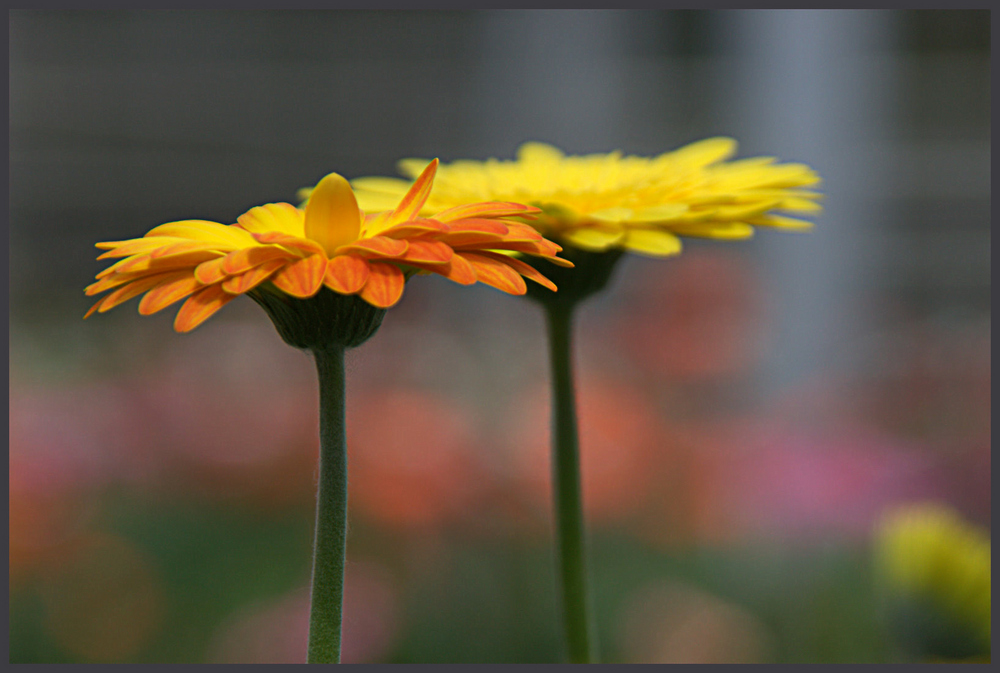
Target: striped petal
<point>427,252</point>
<point>241,261</point>
<point>200,307</point>
<point>414,199</point>
<point>210,272</point>
<point>305,245</point>
<point>496,273</point>
<point>252,278</point>
<point>134,289</point>
<point>416,228</point>
<point>486,209</point>
<point>457,269</point>
<point>346,274</point>
<point>303,278</point>
<point>525,270</point>
<point>384,286</point>
<point>169,292</point>
<point>382,246</point>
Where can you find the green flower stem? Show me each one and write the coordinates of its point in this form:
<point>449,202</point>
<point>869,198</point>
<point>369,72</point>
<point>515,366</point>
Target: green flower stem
<point>566,489</point>
<point>330,545</point>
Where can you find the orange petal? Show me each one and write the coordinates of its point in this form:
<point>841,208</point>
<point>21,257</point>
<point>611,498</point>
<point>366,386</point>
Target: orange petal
<point>525,270</point>
<point>409,207</point>
<point>252,278</point>
<point>485,209</point>
<point>133,289</point>
<point>332,215</point>
<point>303,278</point>
<point>415,228</point>
<point>479,224</point>
<point>427,252</point>
<point>210,272</point>
<point>277,238</point>
<point>346,274</point>
<point>114,280</point>
<point>382,246</point>
<point>471,239</point>
<point>384,286</point>
<point>151,264</point>
<point>93,309</point>
<point>522,231</point>
<point>241,261</point>
<point>457,269</point>
<point>495,273</point>
<point>200,306</point>
<point>541,248</point>
<point>168,291</point>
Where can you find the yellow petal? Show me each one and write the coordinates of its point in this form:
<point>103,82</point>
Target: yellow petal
<point>652,242</point>
<point>592,238</point>
<point>228,238</point>
<point>200,306</point>
<point>332,215</point>
<point>538,152</point>
<point>384,286</point>
<point>283,217</point>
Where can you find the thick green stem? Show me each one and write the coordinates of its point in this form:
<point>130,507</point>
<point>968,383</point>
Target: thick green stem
<point>566,488</point>
<point>330,544</point>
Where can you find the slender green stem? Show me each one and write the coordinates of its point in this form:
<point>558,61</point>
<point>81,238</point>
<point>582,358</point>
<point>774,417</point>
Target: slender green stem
<point>331,512</point>
<point>570,546</point>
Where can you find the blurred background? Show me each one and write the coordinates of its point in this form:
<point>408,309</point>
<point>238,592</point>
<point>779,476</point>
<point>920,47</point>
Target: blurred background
<point>749,410</point>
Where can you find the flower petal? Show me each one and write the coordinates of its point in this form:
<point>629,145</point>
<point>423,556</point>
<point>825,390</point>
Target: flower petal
<point>228,237</point>
<point>332,216</point>
<point>414,199</point>
<point>525,270</point>
<point>416,228</point>
<point>652,242</point>
<point>241,261</point>
<point>210,272</point>
<point>457,269</point>
<point>168,292</point>
<point>281,217</point>
<point>307,246</point>
<point>381,246</point>
<point>485,209</point>
<point>384,286</point>
<point>252,278</point>
<point>136,246</point>
<point>496,273</point>
<point>592,238</point>
<point>427,252</point>
<point>346,274</point>
<point>135,288</point>
<point>200,307</point>
<point>303,278</point>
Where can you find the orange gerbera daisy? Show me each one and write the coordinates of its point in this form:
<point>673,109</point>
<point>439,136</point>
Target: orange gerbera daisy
<point>331,243</point>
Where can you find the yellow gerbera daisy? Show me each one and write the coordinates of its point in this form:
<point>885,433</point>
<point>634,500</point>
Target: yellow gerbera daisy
<point>613,201</point>
<point>928,558</point>
<point>331,243</point>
